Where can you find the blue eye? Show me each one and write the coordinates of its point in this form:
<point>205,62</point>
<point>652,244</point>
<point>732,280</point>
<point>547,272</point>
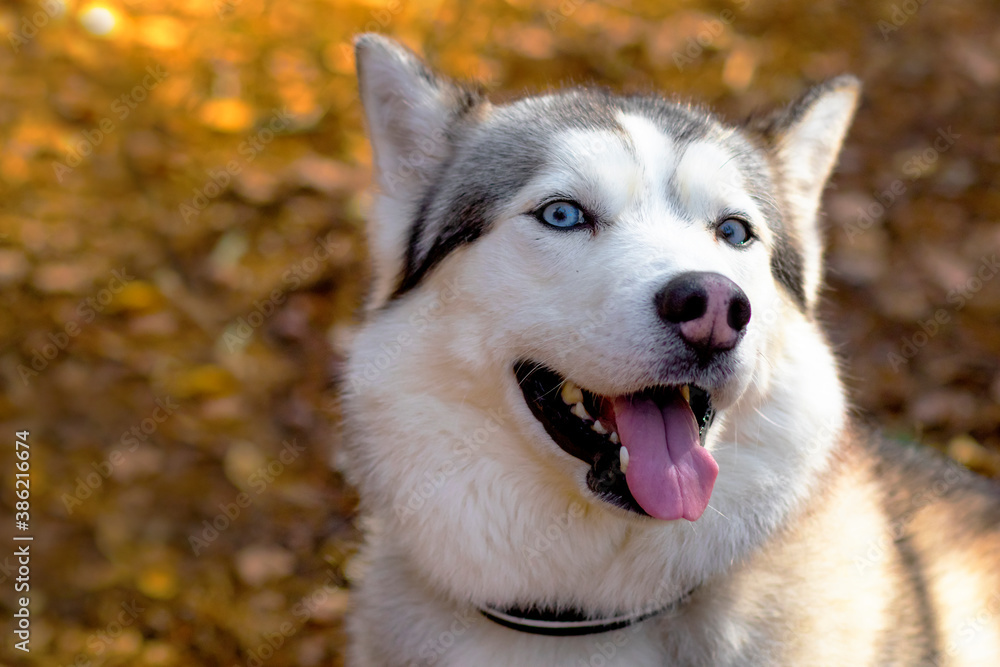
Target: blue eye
<point>734,232</point>
<point>562,214</point>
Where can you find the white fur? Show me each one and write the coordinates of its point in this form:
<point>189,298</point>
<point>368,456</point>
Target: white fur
<point>459,478</point>
<point>407,118</point>
<point>808,152</point>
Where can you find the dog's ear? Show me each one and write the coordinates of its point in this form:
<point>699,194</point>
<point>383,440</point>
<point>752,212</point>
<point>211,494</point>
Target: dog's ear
<point>409,110</point>
<point>805,140</point>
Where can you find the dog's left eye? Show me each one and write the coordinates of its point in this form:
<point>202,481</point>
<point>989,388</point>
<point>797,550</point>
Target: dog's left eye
<point>734,232</point>
<point>561,214</point>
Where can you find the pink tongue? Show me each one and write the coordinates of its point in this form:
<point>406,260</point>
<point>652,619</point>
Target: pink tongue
<point>669,473</point>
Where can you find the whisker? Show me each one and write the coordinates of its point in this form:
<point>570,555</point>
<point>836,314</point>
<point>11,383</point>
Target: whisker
<point>718,512</point>
<point>770,421</point>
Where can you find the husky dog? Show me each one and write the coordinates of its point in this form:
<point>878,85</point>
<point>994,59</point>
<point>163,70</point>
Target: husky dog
<point>592,417</point>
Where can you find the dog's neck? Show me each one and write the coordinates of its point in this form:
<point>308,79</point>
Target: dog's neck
<point>453,455</point>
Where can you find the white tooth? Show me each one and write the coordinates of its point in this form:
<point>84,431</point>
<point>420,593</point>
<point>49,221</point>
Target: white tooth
<point>623,458</point>
<point>581,412</point>
<point>686,393</point>
<point>599,427</point>
<point>613,437</point>
<point>571,393</point>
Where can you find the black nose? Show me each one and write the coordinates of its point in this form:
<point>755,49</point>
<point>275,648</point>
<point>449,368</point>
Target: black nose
<point>710,309</point>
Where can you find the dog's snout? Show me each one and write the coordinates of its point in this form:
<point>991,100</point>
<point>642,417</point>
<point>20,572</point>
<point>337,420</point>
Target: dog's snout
<point>709,310</point>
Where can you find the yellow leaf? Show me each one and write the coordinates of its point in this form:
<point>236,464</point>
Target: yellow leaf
<point>227,114</point>
<point>739,69</point>
<point>202,380</point>
<point>158,582</point>
<point>160,32</point>
<point>137,295</point>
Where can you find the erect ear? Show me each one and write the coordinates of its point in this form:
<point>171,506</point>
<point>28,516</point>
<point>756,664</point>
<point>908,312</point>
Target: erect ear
<point>409,110</point>
<point>806,139</point>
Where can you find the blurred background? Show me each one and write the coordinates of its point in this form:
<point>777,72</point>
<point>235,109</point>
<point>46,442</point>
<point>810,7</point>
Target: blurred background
<point>182,190</point>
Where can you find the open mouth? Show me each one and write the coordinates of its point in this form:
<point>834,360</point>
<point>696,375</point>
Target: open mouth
<point>645,450</point>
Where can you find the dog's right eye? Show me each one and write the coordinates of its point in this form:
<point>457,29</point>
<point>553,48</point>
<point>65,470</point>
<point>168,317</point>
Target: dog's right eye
<point>562,214</point>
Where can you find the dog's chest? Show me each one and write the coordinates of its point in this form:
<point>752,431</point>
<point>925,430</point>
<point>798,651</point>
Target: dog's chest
<point>478,641</point>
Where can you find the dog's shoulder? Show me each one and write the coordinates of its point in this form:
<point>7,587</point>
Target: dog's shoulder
<point>912,536</point>
<point>920,484</point>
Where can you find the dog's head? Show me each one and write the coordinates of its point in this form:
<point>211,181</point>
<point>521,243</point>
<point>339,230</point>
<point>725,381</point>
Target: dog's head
<point>581,297</point>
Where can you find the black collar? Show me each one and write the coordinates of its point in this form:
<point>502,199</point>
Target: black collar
<point>570,622</point>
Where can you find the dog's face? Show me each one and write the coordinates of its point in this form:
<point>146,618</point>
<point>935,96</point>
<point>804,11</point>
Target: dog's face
<point>618,276</point>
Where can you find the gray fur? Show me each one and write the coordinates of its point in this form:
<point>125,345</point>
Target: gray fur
<point>822,545</point>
